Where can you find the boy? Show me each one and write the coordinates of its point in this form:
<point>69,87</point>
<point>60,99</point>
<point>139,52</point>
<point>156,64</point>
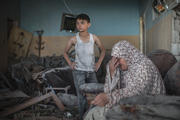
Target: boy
<point>84,67</point>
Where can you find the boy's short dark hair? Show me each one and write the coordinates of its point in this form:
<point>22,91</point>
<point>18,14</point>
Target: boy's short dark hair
<point>83,17</point>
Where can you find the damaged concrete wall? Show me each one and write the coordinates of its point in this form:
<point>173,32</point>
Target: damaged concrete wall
<point>161,31</point>
<point>9,9</point>
<point>110,25</point>
<point>175,43</point>
<point>56,44</point>
<point>19,42</point>
<point>117,17</point>
<point>156,32</point>
<point>160,35</point>
<point>53,45</point>
<point>165,35</point>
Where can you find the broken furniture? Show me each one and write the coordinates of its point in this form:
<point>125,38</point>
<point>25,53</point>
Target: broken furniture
<point>56,79</point>
<point>172,80</point>
<point>39,42</point>
<point>163,60</point>
<point>59,89</point>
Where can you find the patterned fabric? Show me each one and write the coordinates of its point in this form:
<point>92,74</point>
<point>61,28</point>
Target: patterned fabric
<point>96,113</point>
<point>141,78</point>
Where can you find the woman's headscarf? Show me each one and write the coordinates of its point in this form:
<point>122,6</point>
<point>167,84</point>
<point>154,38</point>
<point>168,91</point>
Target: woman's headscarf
<point>124,49</point>
<point>141,78</point>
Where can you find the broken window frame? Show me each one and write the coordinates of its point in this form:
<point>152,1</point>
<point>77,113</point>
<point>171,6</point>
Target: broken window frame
<point>64,15</point>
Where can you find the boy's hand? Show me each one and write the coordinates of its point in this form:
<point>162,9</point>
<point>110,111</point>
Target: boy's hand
<point>97,66</point>
<point>73,64</point>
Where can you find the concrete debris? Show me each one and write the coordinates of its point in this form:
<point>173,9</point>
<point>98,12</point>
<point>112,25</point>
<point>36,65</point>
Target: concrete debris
<point>92,88</point>
<point>146,108</point>
<point>69,100</point>
<point>35,76</point>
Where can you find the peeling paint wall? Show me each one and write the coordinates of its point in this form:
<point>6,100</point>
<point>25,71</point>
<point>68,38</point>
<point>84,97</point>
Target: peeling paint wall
<point>160,35</point>
<point>110,20</point>
<point>108,17</point>
<point>161,32</point>
<point>54,45</point>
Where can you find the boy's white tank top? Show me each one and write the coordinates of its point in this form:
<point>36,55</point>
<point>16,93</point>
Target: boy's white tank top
<point>85,58</point>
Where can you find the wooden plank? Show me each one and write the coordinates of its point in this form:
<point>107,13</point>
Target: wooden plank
<point>33,101</point>
<point>12,94</point>
<point>47,118</point>
<point>58,102</point>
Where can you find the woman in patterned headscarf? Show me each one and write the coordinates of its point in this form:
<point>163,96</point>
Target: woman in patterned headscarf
<point>129,73</point>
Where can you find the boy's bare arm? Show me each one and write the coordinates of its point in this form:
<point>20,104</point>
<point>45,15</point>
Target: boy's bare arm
<point>100,45</point>
<point>70,43</point>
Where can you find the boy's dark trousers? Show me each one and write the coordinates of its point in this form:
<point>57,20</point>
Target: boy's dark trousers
<point>81,77</point>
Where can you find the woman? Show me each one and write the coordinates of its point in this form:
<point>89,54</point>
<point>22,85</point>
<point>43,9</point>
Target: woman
<point>129,73</point>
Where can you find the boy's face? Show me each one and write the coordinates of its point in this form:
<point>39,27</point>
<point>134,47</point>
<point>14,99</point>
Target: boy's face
<point>82,25</point>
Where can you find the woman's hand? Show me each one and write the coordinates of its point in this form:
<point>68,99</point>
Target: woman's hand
<point>114,62</point>
<point>100,100</point>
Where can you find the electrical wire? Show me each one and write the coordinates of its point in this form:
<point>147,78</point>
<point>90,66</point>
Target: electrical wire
<point>67,7</point>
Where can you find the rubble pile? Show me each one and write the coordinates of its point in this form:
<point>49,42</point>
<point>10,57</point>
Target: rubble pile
<point>146,108</point>
<point>41,87</point>
<point>23,95</point>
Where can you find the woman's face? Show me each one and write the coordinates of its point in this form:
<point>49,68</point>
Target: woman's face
<point>123,64</point>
